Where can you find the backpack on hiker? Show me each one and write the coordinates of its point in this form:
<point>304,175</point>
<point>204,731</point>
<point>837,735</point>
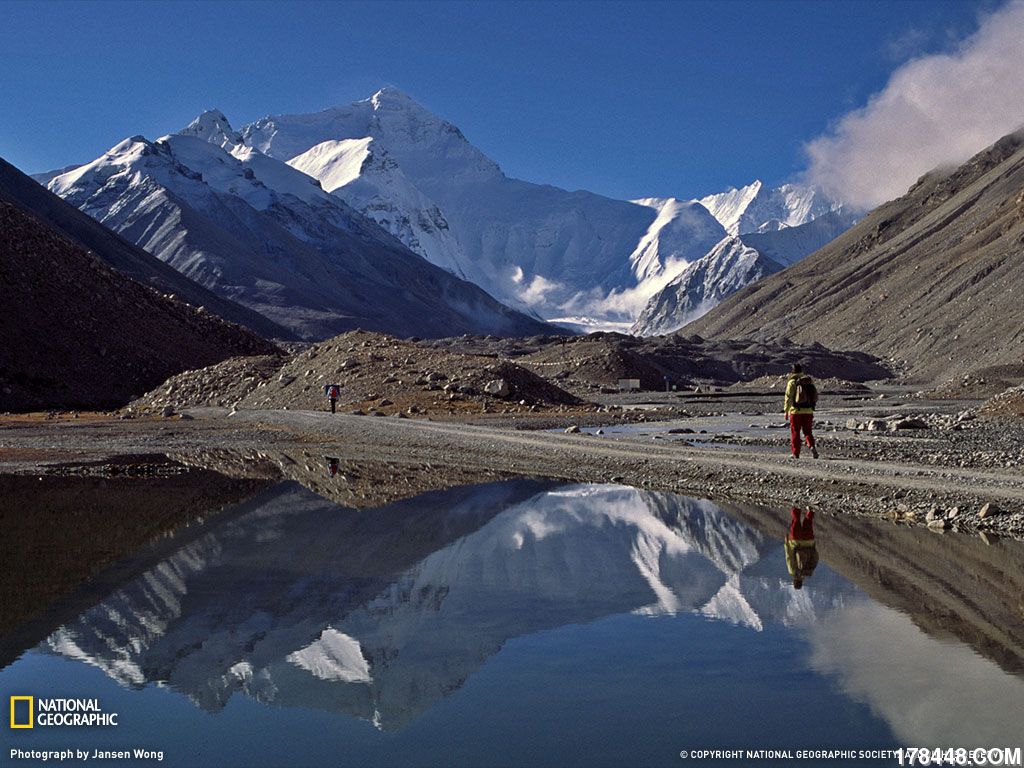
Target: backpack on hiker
<point>806,394</point>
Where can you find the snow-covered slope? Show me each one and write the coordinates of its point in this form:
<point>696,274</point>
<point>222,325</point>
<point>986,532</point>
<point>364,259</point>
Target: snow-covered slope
<point>268,236</point>
<point>557,252</point>
<point>379,621</point>
<point>729,266</point>
<point>564,255</point>
<point>756,208</point>
<point>790,244</point>
<point>431,150</point>
<point>369,179</point>
<point>732,264</point>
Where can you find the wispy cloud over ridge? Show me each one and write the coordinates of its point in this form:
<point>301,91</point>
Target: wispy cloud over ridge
<point>936,110</point>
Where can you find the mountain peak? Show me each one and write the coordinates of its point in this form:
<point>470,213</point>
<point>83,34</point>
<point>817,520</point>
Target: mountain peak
<point>758,208</point>
<point>213,126</point>
<point>389,95</point>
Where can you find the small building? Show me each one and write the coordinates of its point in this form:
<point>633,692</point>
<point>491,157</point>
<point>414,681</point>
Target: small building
<point>629,385</point>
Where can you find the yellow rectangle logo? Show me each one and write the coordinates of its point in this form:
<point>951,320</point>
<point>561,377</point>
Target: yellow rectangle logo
<point>31,711</point>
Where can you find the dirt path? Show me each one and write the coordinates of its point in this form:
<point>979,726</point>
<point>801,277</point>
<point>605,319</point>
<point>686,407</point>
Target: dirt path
<point>909,480</point>
<point>904,490</point>
<point>903,476</point>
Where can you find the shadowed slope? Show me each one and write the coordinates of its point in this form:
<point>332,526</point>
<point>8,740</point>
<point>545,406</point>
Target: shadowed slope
<point>127,258</point>
<point>76,334</point>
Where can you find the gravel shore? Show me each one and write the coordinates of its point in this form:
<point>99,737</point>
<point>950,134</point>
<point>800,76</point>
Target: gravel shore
<point>941,474</point>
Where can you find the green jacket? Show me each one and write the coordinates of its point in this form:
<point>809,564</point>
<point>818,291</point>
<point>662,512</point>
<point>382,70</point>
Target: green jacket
<point>791,395</point>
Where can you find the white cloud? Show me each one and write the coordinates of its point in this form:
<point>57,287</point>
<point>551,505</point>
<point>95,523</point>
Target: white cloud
<point>921,685</point>
<point>936,110</point>
<point>538,288</point>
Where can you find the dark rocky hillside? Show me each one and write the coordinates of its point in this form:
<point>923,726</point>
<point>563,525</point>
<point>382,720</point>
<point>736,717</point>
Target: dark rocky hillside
<point>127,258</point>
<point>74,333</point>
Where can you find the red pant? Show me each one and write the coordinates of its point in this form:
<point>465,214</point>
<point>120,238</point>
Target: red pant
<point>797,422</point>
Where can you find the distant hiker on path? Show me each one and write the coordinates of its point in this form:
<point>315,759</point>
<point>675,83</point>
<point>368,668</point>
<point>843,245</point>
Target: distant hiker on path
<point>333,392</point>
<point>801,551</point>
<point>801,398</point>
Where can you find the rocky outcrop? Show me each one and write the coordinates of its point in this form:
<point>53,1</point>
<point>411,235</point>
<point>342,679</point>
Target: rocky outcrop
<point>376,375</point>
<point>1008,403</point>
<point>587,363</point>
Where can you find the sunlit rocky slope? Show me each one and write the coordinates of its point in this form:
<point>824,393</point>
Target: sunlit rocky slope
<point>931,280</point>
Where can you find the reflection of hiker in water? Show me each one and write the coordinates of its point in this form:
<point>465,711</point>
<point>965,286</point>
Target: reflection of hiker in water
<point>801,552</point>
<point>333,392</point>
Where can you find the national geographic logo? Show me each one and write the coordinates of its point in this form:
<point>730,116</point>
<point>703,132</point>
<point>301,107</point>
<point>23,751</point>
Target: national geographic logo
<point>30,712</point>
<point>23,712</point>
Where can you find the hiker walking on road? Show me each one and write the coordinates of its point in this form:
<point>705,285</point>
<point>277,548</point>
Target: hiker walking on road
<point>801,551</point>
<point>801,398</point>
<point>333,392</point>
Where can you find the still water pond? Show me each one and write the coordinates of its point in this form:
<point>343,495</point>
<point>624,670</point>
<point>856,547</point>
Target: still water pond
<point>534,623</point>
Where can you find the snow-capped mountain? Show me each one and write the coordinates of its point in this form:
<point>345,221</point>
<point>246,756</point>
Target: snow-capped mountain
<point>213,127</point>
<point>682,233</point>
<point>790,244</point>
<point>371,181</point>
<point>576,258</point>
<point>732,264</point>
<point>756,208</point>
<point>564,255</point>
<point>256,230</point>
<point>727,267</point>
<point>531,245</point>
<point>381,621</point>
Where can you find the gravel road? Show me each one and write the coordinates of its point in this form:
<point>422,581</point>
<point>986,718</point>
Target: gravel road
<point>935,477</point>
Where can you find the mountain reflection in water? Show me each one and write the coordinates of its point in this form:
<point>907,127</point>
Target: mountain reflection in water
<point>381,614</point>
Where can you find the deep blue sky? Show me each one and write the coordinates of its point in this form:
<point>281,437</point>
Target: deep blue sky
<point>626,99</point>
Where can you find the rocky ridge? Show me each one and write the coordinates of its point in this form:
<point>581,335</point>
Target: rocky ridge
<point>24,192</point>
<point>930,280</point>
<point>588,364</point>
<point>379,374</point>
<point>257,231</point>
